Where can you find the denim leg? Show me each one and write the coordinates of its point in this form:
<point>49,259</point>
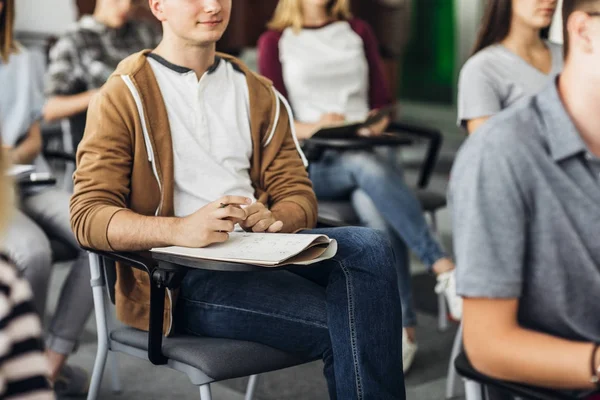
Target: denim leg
<point>385,186</point>
<point>50,209</point>
<point>364,315</point>
<point>372,218</point>
<point>345,310</point>
<point>27,246</point>
<point>276,308</point>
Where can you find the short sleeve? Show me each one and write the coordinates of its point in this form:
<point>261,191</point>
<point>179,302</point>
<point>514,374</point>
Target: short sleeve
<point>65,74</point>
<point>478,95</point>
<point>488,221</point>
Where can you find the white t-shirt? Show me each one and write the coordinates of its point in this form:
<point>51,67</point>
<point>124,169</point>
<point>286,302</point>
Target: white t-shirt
<point>210,129</point>
<point>325,71</point>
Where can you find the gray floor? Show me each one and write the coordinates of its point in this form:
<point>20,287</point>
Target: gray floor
<point>426,380</point>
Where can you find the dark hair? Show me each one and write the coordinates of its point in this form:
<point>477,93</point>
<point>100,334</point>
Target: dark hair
<point>569,6</point>
<point>495,24</point>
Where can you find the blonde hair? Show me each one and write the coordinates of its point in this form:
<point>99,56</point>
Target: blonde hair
<point>289,14</point>
<point>7,21</point>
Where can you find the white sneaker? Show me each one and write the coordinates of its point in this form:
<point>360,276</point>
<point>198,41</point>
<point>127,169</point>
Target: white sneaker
<point>446,284</point>
<point>409,350</point>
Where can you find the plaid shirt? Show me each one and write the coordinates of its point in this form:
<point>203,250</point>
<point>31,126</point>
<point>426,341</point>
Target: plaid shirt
<point>87,54</point>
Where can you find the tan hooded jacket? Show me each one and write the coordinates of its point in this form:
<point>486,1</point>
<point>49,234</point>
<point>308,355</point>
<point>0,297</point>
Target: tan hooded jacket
<point>125,161</point>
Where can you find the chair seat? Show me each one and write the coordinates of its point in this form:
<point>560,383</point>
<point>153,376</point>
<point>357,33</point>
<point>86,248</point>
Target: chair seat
<point>62,252</point>
<point>431,201</point>
<point>219,359</point>
<point>337,213</point>
<point>464,368</point>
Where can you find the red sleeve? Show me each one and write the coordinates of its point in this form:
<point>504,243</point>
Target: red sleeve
<point>379,89</point>
<point>269,64</point>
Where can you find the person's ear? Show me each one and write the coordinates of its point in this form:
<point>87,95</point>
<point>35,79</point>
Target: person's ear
<point>156,6</point>
<point>578,26</point>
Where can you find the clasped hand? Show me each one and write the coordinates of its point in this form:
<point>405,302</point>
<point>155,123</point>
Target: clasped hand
<point>213,222</point>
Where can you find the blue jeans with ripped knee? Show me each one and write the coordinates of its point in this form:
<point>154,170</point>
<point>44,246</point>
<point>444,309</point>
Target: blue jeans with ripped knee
<point>345,311</point>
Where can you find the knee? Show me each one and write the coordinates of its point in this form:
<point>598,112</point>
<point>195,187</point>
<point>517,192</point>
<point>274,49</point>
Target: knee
<point>368,163</point>
<point>375,251</point>
<point>34,258</point>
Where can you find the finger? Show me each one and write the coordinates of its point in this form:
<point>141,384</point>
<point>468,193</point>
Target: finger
<point>259,216</point>
<point>254,208</point>
<point>240,200</point>
<point>275,227</point>
<point>217,237</point>
<point>262,225</point>
<point>230,212</point>
<point>223,225</point>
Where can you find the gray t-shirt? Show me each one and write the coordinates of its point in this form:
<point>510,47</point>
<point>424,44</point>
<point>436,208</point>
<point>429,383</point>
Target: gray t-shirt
<point>495,78</point>
<point>526,218</point>
<point>21,100</point>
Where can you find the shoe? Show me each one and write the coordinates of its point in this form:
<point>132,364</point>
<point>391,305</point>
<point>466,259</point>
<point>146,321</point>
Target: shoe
<point>446,284</point>
<point>409,350</point>
<point>72,381</point>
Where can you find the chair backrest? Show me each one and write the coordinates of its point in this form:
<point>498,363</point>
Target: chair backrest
<point>110,277</point>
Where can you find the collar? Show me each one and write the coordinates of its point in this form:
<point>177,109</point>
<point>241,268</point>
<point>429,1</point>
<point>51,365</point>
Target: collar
<point>563,137</point>
<point>88,22</point>
<point>178,68</point>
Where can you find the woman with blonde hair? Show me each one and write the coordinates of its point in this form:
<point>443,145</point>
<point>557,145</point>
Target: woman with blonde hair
<point>327,64</point>
<point>40,212</point>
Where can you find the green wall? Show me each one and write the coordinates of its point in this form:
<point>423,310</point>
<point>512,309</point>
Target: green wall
<point>428,67</point>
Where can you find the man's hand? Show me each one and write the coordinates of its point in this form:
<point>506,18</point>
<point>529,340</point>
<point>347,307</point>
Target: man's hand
<point>260,219</point>
<point>212,223</point>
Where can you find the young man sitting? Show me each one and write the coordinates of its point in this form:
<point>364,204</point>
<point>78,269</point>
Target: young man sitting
<point>178,131</point>
<point>525,194</point>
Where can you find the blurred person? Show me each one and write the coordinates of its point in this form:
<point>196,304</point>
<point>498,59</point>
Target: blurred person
<point>525,201</point>
<point>391,22</point>
<point>42,212</point>
<point>88,53</point>
<point>24,370</point>
<point>210,136</point>
<point>327,64</point>
<point>511,60</point>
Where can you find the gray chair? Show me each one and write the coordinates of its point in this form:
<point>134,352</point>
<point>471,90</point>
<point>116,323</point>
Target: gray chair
<point>482,387</point>
<point>204,360</point>
<point>341,212</point>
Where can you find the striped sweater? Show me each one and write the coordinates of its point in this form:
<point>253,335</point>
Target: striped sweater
<point>24,369</point>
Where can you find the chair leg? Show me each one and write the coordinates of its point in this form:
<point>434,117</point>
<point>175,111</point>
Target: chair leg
<point>473,390</point>
<point>434,224</point>
<point>205,393</point>
<point>453,379</point>
<point>251,387</point>
<point>115,378</point>
<point>97,283</point>
<point>442,313</point>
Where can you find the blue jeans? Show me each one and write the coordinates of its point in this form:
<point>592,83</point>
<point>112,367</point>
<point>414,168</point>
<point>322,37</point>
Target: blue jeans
<point>370,217</point>
<point>345,310</point>
<point>339,174</point>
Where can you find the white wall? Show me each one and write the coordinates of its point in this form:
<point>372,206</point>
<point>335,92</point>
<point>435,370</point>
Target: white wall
<point>44,16</point>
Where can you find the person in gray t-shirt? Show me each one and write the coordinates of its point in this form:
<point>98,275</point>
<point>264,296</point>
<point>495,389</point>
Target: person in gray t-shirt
<point>507,65</point>
<point>525,200</point>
